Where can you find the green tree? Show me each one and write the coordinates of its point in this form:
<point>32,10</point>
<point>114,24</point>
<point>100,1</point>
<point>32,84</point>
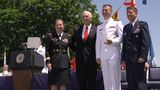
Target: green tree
<point>20,19</point>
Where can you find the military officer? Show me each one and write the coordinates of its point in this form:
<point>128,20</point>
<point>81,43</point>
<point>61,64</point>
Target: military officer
<point>56,49</point>
<point>136,40</point>
<point>109,35</point>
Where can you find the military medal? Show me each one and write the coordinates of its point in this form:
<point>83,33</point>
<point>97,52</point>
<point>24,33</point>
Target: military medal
<point>137,29</point>
<point>65,40</point>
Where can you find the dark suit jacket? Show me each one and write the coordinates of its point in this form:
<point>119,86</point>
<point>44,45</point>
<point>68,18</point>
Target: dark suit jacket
<point>135,42</point>
<point>85,51</point>
<point>57,50</point>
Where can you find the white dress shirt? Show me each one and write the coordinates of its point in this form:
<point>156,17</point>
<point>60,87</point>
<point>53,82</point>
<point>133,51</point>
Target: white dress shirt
<point>84,28</point>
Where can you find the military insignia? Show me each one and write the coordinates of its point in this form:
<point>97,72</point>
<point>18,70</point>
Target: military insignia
<point>54,39</point>
<point>100,29</point>
<point>69,35</point>
<point>137,29</point>
<point>125,34</point>
<point>91,30</point>
<point>65,40</point>
<point>112,27</point>
<point>49,34</point>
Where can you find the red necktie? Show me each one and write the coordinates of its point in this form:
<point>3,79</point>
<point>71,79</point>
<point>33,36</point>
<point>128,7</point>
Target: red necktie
<point>86,34</point>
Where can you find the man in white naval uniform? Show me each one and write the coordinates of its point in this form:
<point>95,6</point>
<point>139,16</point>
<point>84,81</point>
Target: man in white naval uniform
<point>109,36</point>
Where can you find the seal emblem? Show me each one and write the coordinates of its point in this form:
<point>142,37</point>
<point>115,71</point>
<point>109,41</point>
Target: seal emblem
<point>20,58</point>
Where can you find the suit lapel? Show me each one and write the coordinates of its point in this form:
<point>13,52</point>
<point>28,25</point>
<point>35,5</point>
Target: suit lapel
<point>91,33</point>
<point>63,35</point>
<point>80,32</point>
<point>128,29</point>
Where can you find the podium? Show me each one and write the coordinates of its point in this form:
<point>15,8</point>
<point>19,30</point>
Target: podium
<point>24,64</point>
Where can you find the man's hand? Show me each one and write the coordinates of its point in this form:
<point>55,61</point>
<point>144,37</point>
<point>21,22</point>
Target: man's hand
<point>141,60</point>
<point>107,41</point>
<point>146,65</point>
<point>49,67</point>
<point>98,60</point>
<point>123,65</point>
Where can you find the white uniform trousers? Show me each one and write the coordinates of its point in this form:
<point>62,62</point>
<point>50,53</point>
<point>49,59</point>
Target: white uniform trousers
<point>111,74</point>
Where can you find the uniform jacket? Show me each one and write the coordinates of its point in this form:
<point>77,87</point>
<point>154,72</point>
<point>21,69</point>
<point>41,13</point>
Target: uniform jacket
<point>57,49</point>
<point>135,42</point>
<point>109,30</point>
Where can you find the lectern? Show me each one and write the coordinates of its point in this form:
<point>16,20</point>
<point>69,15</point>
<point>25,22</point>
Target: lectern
<point>24,64</point>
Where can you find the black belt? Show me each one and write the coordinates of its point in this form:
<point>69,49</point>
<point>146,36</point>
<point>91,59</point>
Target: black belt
<point>59,51</point>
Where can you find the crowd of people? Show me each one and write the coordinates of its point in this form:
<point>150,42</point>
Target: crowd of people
<point>110,45</point>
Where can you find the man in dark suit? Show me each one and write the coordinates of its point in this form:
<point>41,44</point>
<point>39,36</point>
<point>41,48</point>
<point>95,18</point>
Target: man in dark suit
<point>136,40</point>
<point>84,40</point>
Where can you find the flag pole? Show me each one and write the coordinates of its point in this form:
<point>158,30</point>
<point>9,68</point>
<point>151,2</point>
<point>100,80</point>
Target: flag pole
<point>115,15</point>
<point>119,7</point>
<point>4,58</point>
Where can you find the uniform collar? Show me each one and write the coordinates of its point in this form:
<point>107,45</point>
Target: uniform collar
<point>107,20</point>
<point>87,26</point>
<point>133,23</point>
<point>60,34</point>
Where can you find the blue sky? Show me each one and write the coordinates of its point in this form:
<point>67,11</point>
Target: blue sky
<point>148,13</point>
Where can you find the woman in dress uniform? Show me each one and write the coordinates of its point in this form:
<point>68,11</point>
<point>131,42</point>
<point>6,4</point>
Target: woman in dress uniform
<point>56,49</point>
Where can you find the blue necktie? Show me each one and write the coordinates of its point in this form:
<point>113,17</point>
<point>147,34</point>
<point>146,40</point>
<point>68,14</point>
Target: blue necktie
<point>131,27</point>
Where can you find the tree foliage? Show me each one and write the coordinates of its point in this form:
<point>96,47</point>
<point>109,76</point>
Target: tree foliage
<point>20,19</point>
